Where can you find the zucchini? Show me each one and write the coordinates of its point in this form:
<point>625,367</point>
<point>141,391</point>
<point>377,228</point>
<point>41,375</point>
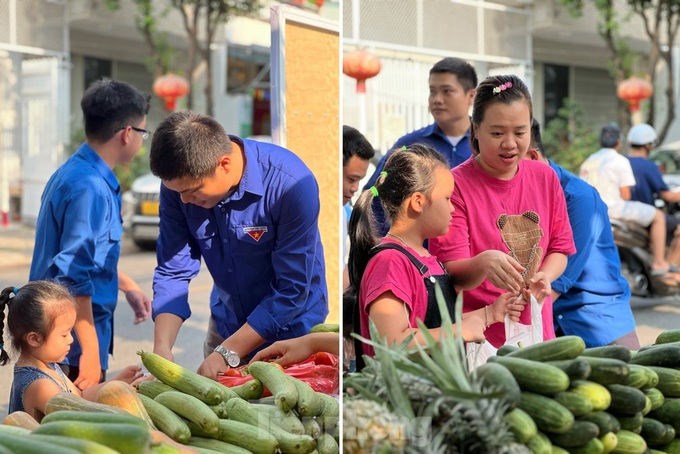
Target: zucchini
<point>638,377</point>
<point>277,382</point>
<point>565,347</point>
<point>598,394</point>
<point>540,444</point>
<point>656,433</point>
<point>607,371</point>
<point>286,420</point>
<point>576,369</point>
<point>216,445</point>
<point>23,444</point>
<point>609,351</point>
<point>311,427</point>
<point>495,377</point>
<point>166,420</point>
<point>578,435</point>
<point>191,408</point>
<point>80,445</point>
<point>252,438</point>
<point>655,396</point>
<point>127,438</point>
<point>13,430</point>
<point>626,400</point>
<point>326,444</point>
<point>252,389</point>
<point>660,356</point>
<point>548,415</point>
<point>152,388</point>
<point>669,380</point>
<point>330,415</point>
<point>94,417</point>
<point>308,402</point>
<point>671,335</point>
<point>594,446</point>
<point>70,401</point>
<point>577,404</point>
<point>606,422</point>
<point>521,425</point>
<point>182,379</point>
<point>629,443</point>
<point>534,376</point>
<point>240,410</point>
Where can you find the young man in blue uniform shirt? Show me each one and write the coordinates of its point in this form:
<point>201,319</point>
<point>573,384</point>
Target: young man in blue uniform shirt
<point>590,299</point>
<point>453,83</point>
<point>79,227</point>
<point>250,211</point>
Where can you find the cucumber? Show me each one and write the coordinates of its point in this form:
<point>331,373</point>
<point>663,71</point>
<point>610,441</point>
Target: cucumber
<point>607,371</point>
<point>671,335</point>
<point>325,328</point>
<point>80,445</point>
<point>656,397</point>
<point>606,422</point>
<point>652,379</point>
<point>503,350</point>
<point>576,369</point>
<point>166,420</point>
<point>288,421</point>
<point>565,347</point>
<point>548,415</point>
<point>609,351</point>
<point>540,444</point>
<point>673,447</point>
<point>668,413</point>
<point>648,405</point>
<point>660,356</point>
<point>191,408</point>
<point>240,410</point>
<point>609,441</point>
<point>252,389</point>
<point>533,376</point>
<point>638,377</point>
<point>594,446</point>
<point>308,402</point>
<point>94,417</point>
<point>629,443</point>
<point>656,433</point>
<point>127,438</point>
<point>669,381</point>
<point>23,444</point>
<point>521,425</point>
<point>598,394</point>
<point>277,382</point>
<point>495,377</point>
<point>252,438</point>
<point>632,423</point>
<point>626,400</point>
<point>152,388</point>
<point>577,404</point>
<point>216,445</point>
<point>578,435</point>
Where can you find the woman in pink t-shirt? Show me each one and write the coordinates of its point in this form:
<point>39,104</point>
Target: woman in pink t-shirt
<point>396,278</point>
<point>504,203</point>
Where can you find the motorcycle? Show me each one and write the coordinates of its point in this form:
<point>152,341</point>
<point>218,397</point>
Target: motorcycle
<point>632,241</point>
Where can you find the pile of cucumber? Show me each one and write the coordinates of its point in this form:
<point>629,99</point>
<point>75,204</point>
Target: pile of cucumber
<point>566,398</point>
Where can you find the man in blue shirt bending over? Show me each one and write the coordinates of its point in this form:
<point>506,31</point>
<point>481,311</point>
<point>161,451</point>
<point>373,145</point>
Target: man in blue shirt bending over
<point>79,228</point>
<point>590,299</point>
<point>250,210</point>
<point>453,84</point>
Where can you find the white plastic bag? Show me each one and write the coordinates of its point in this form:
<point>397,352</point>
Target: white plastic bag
<point>515,334</point>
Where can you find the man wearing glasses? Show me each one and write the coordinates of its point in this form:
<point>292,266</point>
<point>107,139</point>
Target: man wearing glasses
<point>79,226</point>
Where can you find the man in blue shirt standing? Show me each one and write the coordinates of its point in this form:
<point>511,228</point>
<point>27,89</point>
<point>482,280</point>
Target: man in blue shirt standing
<point>250,210</point>
<point>453,84</point>
<point>79,227</point>
<point>590,299</point>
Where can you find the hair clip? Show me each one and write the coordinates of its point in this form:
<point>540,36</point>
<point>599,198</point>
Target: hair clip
<point>15,291</point>
<point>404,148</point>
<point>383,173</point>
<point>502,87</point>
<point>374,190</point>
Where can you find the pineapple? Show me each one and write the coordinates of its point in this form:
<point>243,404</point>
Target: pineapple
<point>369,427</point>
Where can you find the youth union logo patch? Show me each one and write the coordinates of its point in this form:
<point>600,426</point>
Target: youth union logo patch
<point>255,232</point>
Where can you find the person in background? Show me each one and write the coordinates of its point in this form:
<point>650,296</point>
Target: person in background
<point>649,184</point>
<point>40,320</point>
<point>452,83</point>
<point>611,174</point>
<point>250,210</point>
<point>505,203</point>
<point>591,299</point>
<point>79,227</point>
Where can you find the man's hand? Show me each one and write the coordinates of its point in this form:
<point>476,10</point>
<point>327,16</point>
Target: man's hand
<point>213,365</point>
<point>140,304</point>
<point>90,371</point>
<point>164,352</point>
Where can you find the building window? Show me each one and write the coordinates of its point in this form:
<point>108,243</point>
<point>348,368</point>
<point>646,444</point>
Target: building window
<point>95,69</point>
<point>556,87</point>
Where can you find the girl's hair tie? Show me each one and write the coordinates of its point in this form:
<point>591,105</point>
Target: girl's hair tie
<point>15,291</point>
<point>404,148</point>
<point>374,191</point>
<point>383,173</point>
<point>502,87</point>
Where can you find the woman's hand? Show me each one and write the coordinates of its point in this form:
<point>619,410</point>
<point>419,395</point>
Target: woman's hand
<point>503,271</point>
<point>539,286</point>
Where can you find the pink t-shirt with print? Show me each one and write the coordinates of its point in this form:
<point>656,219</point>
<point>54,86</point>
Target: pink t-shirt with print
<point>391,270</point>
<point>479,199</point>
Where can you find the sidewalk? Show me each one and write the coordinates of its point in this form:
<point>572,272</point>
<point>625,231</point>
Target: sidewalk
<point>16,245</point>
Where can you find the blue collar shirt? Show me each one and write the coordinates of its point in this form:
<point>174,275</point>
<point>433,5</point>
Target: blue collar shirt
<point>78,235</point>
<point>595,299</point>
<point>261,245</point>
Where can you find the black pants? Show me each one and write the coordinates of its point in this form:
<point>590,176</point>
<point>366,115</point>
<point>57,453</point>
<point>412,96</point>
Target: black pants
<point>72,373</point>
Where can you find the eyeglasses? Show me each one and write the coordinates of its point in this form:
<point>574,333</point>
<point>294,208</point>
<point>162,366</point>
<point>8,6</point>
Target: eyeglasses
<point>144,132</point>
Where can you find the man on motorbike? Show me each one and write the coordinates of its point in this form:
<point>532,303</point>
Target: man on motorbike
<point>649,183</point>
<point>611,174</point>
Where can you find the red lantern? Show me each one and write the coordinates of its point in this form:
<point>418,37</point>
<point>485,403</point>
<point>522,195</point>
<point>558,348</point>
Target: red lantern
<point>634,90</point>
<point>170,87</point>
<point>360,65</point>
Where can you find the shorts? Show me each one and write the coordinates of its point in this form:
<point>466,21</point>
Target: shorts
<point>671,224</point>
<point>637,212</point>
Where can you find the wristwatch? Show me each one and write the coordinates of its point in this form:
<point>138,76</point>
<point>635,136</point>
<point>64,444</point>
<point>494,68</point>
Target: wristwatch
<point>230,356</point>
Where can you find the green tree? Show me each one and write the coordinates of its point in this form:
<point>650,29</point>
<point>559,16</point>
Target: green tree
<point>201,20</point>
<point>661,20</point>
<point>569,139</point>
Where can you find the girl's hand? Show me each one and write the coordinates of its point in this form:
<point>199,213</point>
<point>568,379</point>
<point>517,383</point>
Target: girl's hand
<point>140,304</point>
<point>539,286</point>
<point>129,374</point>
<point>503,271</point>
<point>473,328</point>
<point>507,304</point>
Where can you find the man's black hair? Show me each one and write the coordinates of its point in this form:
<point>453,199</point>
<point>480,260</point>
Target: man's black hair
<point>464,71</point>
<point>355,144</point>
<point>536,141</point>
